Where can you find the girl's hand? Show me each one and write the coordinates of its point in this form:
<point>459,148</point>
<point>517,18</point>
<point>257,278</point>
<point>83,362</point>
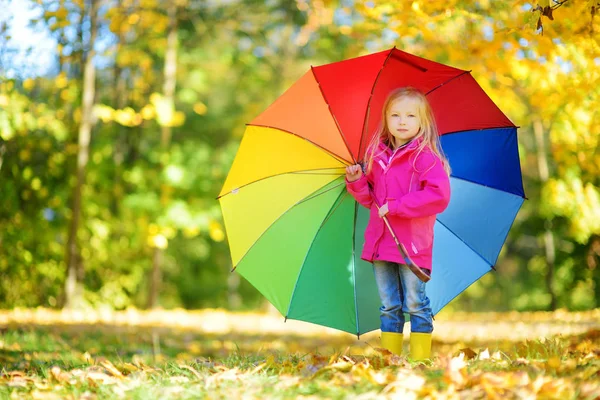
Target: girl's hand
<point>353,172</point>
<point>384,209</point>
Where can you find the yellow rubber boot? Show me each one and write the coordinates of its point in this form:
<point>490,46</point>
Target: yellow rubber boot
<point>392,341</point>
<point>420,346</point>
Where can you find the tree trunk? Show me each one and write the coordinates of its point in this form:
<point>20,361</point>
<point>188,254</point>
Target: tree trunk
<point>170,70</point>
<point>73,284</point>
<point>2,151</point>
<point>550,251</point>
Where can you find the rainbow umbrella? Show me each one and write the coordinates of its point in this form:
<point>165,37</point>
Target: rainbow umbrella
<point>296,234</point>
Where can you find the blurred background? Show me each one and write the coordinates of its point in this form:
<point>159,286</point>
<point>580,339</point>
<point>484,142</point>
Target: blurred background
<point>119,121</point>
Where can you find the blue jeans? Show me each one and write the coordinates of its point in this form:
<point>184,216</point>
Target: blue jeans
<point>402,292</point>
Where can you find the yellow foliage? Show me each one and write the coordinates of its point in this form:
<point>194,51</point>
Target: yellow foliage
<point>28,84</point>
<point>127,117</point>
<point>190,232</point>
<point>178,119</point>
<point>153,229</point>
<point>65,95</point>
<point>165,112</point>
<point>147,112</point>
<point>158,241</point>
<point>62,13</point>
<point>168,232</point>
<point>36,184</point>
<point>25,155</point>
<point>200,108</point>
<point>27,172</point>
<point>61,80</point>
<point>133,19</point>
<point>215,231</point>
<point>104,112</point>
<point>577,201</point>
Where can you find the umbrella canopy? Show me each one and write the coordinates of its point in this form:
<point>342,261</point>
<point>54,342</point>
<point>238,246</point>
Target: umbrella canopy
<point>296,234</point>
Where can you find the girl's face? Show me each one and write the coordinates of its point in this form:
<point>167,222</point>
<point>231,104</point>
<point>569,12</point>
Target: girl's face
<point>403,120</point>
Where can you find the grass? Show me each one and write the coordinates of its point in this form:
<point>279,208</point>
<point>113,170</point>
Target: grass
<point>58,358</point>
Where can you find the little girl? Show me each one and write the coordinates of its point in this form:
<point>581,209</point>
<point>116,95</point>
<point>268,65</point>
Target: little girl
<point>406,181</point>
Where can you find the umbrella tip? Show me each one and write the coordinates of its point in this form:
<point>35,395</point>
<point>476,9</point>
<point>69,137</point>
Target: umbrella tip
<point>285,319</point>
<point>233,269</point>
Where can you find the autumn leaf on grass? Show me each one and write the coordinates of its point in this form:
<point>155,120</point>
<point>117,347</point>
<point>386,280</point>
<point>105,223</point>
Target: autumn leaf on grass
<point>468,352</point>
<point>87,358</point>
<point>94,376</point>
<point>590,391</point>
<point>455,371</point>
<point>484,355</point>
<point>18,379</point>
<point>128,367</point>
<point>315,363</point>
<point>364,369</point>
<point>553,363</point>
<point>59,375</point>
<point>547,388</point>
<point>341,365</point>
<point>519,362</point>
<point>192,370</point>
<point>592,334</point>
<point>138,362</point>
<point>495,385</point>
<point>406,384</point>
<point>387,359</point>
<point>111,368</point>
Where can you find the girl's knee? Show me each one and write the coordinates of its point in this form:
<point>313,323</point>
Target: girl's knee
<point>418,306</point>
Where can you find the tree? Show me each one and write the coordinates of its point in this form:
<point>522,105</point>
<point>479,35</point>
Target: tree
<point>75,269</point>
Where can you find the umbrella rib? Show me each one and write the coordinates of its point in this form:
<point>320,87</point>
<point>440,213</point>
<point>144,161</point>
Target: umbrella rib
<point>354,267</point>
<point>448,81</point>
<point>333,115</point>
<point>480,129</point>
<point>338,158</point>
<point>368,110</point>
<point>465,243</point>
<point>309,197</point>
<point>459,293</point>
<point>485,186</point>
<point>313,195</point>
<point>299,172</point>
<point>492,265</point>
<point>329,213</point>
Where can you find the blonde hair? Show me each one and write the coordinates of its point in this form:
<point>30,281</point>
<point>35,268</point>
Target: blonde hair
<point>427,131</point>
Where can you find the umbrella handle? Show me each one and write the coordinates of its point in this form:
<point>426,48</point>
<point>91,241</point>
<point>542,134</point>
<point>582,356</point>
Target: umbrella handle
<point>409,262</point>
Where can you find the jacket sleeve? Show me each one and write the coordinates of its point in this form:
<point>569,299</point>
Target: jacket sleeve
<point>359,189</point>
<point>433,195</point>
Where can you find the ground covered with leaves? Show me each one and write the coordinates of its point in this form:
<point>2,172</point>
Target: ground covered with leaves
<point>214,354</point>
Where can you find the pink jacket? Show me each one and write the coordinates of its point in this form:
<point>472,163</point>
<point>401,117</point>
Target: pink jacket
<point>415,193</point>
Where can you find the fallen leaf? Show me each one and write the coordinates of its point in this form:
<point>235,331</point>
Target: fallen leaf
<point>111,369</point>
<point>484,355</point>
<point>59,375</point>
<point>455,371</point>
<point>469,353</point>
